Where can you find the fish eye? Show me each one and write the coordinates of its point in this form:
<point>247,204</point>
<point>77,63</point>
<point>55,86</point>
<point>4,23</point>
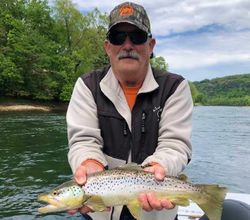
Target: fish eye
<point>55,193</point>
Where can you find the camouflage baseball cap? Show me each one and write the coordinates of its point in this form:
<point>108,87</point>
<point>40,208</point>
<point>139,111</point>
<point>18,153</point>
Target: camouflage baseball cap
<point>132,13</point>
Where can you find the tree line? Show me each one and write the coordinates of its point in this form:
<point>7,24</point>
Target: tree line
<point>229,91</point>
<point>44,49</point>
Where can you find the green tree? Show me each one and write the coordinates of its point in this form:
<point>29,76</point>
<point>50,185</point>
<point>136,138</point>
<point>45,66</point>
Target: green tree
<point>28,49</point>
<point>10,80</point>
<point>42,53</point>
<point>198,97</point>
<point>159,62</point>
<point>82,38</point>
<point>11,13</point>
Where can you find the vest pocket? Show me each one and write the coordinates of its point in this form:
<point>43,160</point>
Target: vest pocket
<point>115,135</point>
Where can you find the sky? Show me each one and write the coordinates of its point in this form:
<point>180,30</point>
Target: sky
<point>199,39</point>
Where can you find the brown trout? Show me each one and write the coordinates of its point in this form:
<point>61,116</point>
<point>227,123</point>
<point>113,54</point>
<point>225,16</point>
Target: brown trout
<point>121,186</point>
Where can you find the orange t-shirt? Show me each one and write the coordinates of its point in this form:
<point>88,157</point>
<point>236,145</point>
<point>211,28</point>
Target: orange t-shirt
<point>130,94</point>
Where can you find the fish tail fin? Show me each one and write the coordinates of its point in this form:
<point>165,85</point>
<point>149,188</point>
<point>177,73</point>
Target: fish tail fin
<point>210,200</point>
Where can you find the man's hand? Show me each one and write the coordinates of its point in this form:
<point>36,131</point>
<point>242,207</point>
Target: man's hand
<point>86,168</point>
<point>80,176</point>
<point>149,200</point>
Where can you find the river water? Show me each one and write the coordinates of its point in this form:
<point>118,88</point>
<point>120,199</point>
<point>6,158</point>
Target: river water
<point>33,156</point>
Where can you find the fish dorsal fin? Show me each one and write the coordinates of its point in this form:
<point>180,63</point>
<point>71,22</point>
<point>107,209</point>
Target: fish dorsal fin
<point>183,177</point>
<point>130,166</point>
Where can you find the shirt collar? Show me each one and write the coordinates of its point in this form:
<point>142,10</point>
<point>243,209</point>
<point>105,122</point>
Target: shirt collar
<point>109,82</point>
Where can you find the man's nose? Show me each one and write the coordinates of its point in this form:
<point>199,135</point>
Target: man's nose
<point>128,43</point>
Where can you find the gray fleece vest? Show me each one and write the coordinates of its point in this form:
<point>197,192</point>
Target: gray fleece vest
<point>143,137</point>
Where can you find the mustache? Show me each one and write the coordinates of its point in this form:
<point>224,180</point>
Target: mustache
<point>128,54</point>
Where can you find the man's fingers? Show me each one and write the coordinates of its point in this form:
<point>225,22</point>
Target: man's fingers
<point>159,172</point>
<point>85,209</point>
<point>150,169</point>
<point>154,202</point>
<point>167,204</point>
<point>84,170</point>
<point>149,201</point>
<point>144,202</point>
<point>72,211</point>
<point>81,175</point>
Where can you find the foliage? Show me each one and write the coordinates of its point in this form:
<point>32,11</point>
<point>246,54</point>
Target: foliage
<point>159,62</point>
<point>198,98</point>
<point>43,50</point>
<point>230,90</point>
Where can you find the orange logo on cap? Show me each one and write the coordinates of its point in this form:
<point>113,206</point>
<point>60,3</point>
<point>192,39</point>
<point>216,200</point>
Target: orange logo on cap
<point>126,10</point>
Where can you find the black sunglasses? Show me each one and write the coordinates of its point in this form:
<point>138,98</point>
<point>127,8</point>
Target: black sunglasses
<point>118,37</point>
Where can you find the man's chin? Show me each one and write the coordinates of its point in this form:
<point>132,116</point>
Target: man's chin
<point>129,64</point>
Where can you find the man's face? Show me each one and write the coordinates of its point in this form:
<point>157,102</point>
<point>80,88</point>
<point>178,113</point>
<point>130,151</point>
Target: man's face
<point>129,56</point>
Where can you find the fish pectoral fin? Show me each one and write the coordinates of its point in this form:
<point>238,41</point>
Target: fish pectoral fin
<point>135,208</point>
<point>96,203</point>
<point>180,201</point>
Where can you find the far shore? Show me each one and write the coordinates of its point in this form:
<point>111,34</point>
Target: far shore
<point>19,107</point>
<point>10,108</point>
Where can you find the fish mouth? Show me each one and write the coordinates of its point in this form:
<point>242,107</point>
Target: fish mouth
<point>47,209</point>
<point>53,205</point>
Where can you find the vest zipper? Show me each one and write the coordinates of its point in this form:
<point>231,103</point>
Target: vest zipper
<point>143,118</point>
<point>125,129</point>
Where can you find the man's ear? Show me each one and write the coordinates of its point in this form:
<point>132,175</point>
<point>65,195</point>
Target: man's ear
<point>152,44</point>
<point>106,46</point>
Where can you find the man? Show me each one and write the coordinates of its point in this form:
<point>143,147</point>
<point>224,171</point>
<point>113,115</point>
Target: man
<point>129,112</point>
